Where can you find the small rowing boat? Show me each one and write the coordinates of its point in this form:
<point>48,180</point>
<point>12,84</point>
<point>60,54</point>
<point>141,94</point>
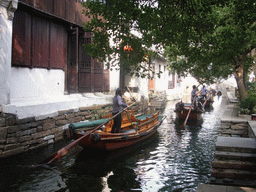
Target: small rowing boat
<point>133,131</point>
<point>182,111</point>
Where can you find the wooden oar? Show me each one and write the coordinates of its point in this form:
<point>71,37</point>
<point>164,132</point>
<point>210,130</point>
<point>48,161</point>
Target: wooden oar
<point>204,103</point>
<point>185,122</point>
<point>70,146</point>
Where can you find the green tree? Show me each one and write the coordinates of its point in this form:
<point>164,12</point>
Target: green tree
<point>211,38</point>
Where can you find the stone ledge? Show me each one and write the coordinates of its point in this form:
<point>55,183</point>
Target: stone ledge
<point>223,188</point>
<point>236,144</point>
<point>231,98</point>
<point>252,129</point>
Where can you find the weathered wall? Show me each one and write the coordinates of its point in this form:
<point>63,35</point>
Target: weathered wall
<point>7,8</point>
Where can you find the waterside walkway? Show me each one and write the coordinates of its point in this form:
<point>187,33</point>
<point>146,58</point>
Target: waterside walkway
<point>236,146</point>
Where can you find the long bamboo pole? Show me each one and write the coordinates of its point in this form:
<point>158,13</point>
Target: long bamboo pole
<point>185,122</point>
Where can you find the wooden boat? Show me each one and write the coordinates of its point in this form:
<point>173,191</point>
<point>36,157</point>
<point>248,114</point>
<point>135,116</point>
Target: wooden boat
<point>133,131</point>
<point>182,110</point>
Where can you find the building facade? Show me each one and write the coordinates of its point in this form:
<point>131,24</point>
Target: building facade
<point>45,60</point>
<point>47,80</point>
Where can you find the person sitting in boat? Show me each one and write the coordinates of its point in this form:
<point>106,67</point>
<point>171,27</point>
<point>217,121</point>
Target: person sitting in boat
<point>193,96</point>
<point>179,106</point>
<point>118,106</point>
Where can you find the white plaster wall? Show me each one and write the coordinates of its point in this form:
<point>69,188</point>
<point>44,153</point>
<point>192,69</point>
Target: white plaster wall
<point>40,93</point>
<point>141,83</point>
<point>161,84</point>
<point>114,76</point>
<point>114,71</point>
<point>143,87</point>
<point>36,83</point>
<point>5,55</point>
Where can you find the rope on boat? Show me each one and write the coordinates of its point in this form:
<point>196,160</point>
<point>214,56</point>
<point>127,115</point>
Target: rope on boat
<point>130,121</point>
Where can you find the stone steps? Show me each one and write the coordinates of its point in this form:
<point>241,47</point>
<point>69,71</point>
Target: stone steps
<point>234,161</point>
<point>236,144</point>
<point>234,174</point>
<point>224,188</point>
<point>235,156</point>
<point>233,167</point>
<point>234,164</point>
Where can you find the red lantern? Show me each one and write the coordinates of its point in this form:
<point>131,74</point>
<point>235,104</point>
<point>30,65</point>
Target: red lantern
<point>128,48</point>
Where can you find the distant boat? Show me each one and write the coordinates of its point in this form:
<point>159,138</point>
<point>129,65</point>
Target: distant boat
<point>207,102</point>
<point>182,110</point>
<point>133,131</point>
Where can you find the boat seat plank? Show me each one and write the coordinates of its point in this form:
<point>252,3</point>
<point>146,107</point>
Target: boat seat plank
<point>129,124</point>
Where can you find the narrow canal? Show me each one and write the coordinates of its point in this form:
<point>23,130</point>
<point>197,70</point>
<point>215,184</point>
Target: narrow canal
<point>176,159</point>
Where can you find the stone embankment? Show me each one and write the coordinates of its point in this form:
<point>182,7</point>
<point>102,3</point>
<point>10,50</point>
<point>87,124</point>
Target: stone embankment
<point>235,155</point>
<point>234,161</point>
<point>21,135</point>
<point>157,100</point>
<point>234,164</point>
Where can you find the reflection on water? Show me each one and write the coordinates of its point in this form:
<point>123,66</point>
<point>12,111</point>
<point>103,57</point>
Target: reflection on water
<point>176,159</point>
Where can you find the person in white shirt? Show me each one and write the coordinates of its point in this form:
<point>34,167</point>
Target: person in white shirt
<point>204,92</point>
<point>193,96</point>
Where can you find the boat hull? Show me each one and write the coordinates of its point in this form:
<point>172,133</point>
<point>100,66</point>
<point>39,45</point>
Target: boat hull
<point>116,141</point>
<point>194,115</point>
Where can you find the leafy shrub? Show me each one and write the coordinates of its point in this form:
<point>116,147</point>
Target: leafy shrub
<point>254,110</point>
<point>244,111</point>
<point>251,88</point>
<point>248,103</point>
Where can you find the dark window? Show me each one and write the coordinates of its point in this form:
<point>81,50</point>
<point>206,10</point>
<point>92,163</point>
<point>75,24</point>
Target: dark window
<point>85,59</point>
<point>38,42</point>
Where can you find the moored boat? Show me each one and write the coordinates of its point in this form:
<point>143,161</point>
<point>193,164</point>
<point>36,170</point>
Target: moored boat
<point>182,110</point>
<point>133,131</point>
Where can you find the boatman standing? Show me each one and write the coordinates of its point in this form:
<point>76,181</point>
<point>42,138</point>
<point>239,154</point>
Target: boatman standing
<point>193,96</point>
<point>204,92</point>
<point>118,106</point>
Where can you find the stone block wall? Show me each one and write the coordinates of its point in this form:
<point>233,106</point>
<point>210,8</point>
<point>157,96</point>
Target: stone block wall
<point>20,135</point>
<point>234,129</point>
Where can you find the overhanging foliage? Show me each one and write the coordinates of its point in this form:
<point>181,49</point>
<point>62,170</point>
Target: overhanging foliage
<point>214,37</point>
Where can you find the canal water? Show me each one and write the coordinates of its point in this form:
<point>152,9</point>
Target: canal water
<point>176,159</point>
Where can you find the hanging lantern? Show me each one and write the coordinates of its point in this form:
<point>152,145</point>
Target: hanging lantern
<point>128,48</point>
<point>146,57</point>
